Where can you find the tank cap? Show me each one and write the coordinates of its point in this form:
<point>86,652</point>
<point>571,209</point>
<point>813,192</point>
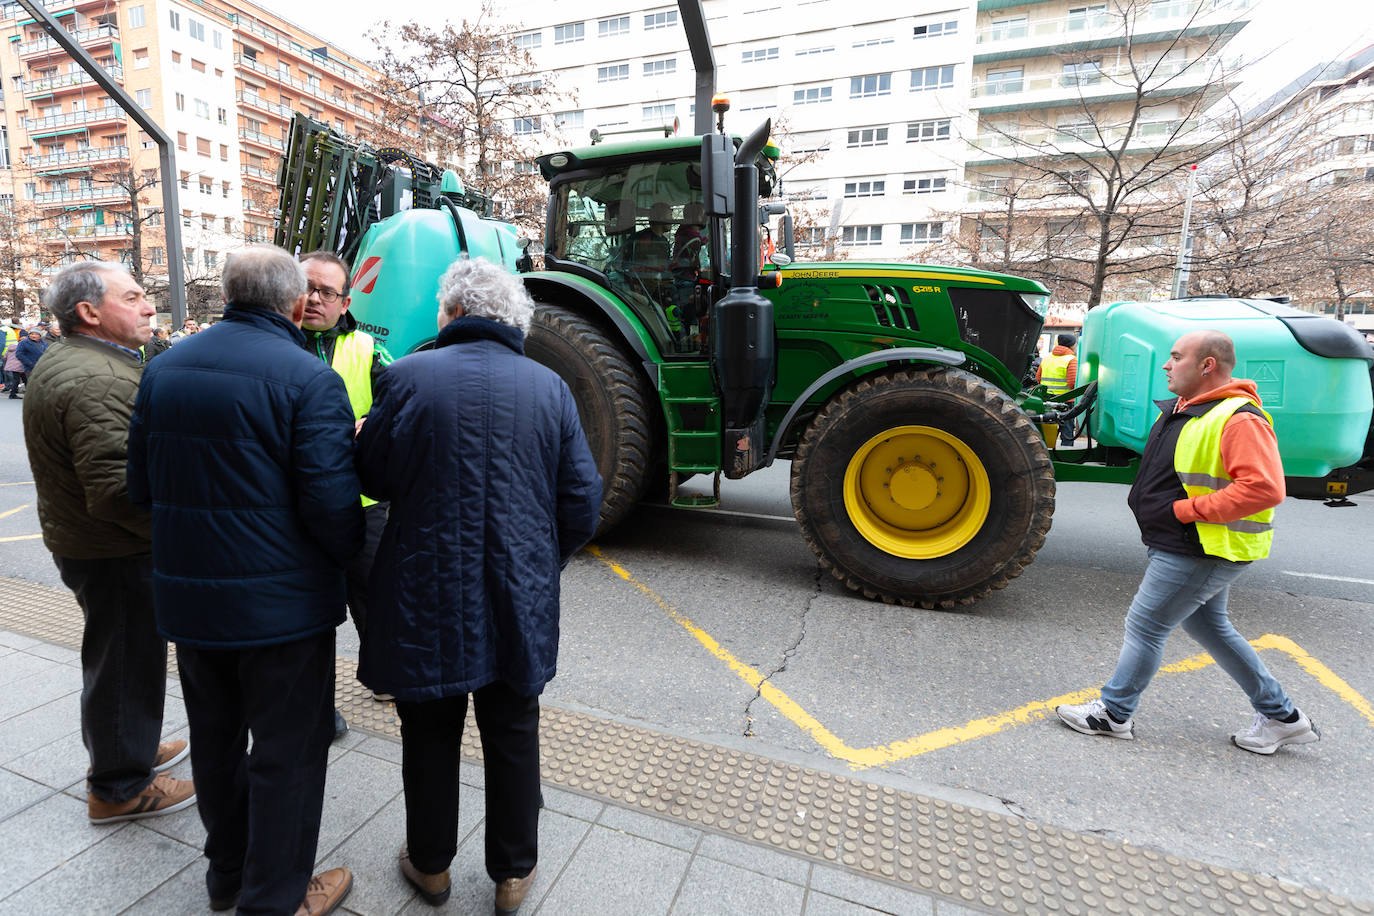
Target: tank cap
<point>451,183</point>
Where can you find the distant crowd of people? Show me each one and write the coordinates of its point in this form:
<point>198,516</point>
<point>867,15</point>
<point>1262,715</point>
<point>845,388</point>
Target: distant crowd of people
<point>235,492</point>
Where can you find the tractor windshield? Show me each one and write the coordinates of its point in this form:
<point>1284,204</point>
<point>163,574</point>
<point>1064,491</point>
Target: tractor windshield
<point>642,227</point>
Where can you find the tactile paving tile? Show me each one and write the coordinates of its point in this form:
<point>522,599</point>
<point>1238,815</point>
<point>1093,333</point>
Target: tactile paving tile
<point>980,859</point>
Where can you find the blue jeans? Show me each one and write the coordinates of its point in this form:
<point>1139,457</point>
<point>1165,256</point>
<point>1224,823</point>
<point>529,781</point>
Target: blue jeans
<point>1191,591</point>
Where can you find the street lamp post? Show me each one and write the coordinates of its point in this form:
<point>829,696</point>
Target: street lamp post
<point>1185,243</point>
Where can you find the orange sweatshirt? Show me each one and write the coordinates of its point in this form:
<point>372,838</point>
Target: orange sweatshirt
<point>1250,454</point>
<point>1072,367</point>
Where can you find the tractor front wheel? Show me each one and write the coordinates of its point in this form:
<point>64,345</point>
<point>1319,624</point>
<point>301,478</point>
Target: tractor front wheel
<point>923,487</point>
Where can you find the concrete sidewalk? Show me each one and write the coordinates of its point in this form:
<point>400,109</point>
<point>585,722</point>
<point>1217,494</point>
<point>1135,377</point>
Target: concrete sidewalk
<point>595,857</point>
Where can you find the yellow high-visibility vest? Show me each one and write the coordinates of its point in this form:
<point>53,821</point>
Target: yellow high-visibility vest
<point>1054,372</point>
<point>353,361</point>
<point>1197,461</point>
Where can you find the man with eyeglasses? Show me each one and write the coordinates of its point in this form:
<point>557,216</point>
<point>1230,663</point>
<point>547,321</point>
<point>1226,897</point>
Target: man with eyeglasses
<point>332,334</point>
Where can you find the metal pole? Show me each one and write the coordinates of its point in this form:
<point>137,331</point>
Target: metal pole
<point>1185,245</point>
<point>171,212</point>
<point>703,61</point>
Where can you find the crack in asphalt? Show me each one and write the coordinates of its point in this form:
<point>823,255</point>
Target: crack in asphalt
<point>786,654</point>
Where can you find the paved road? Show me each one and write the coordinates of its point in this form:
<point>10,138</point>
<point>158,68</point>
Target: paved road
<point>666,627</point>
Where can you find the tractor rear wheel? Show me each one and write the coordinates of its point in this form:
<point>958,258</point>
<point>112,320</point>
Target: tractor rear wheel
<point>612,401</point>
<point>923,487</point>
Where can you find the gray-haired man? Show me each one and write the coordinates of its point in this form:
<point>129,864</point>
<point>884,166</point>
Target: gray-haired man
<point>76,420</point>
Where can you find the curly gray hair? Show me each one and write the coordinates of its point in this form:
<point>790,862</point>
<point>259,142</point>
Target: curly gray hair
<point>263,277</point>
<point>485,290</point>
<point>76,283</point>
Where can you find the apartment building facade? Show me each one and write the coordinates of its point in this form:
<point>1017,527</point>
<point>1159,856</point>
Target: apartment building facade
<point>222,78</point>
<point>868,104</point>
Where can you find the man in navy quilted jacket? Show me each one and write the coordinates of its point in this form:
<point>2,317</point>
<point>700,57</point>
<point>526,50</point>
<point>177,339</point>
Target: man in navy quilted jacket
<point>241,443</point>
<point>492,489</point>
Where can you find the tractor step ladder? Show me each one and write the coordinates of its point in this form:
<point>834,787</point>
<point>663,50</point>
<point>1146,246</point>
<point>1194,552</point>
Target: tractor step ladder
<point>694,433</point>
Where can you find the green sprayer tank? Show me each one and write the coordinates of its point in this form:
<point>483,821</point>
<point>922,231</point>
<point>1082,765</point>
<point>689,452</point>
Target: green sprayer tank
<point>1312,372</point>
<point>401,260</point>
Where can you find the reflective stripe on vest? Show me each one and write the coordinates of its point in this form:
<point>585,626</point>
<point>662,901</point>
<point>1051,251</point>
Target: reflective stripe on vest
<point>1197,461</point>
<point>353,362</point>
<point>1054,372</point>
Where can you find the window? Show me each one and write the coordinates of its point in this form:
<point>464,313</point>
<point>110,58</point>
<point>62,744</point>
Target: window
<point>861,235</point>
<point>228,220</point>
<point>613,73</point>
<point>660,67</point>
<point>211,259</point>
<point>569,33</point>
<point>1076,130</point>
<point>1084,73</point>
<point>935,29</point>
<point>222,116</point>
<point>1004,82</point>
<point>176,60</point>
<point>1010,27</point>
<point>659,114</point>
<point>224,152</point>
<point>806,52</point>
<point>526,126</point>
<point>758,55</point>
<point>175,19</point>
<point>181,143</point>
<point>195,29</point>
<point>661,20</point>
<point>568,120</point>
<point>610,28</point>
<point>868,136</point>
<point>815,95</point>
<point>207,186</point>
<point>137,18</point>
<point>927,78</point>
<point>868,188</point>
<point>866,87</point>
<point>924,184</point>
<point>144,97</point>
<point>927,131</point>
<point>198,65</point>
<point>207,220</point>
<point>145,141</point>
<point>922,232</point>
<point>874,42</point>
<point>180,101</point>
<point>157,255</point>
<point>219,39</point>
<point>1087,17</point>
<point>529,41</point>
<point>141,59</point>
<point>202,109</point>
<point>202,147</point>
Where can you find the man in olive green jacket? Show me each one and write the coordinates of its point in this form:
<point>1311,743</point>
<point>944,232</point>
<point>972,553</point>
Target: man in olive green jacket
<point>76,423</point>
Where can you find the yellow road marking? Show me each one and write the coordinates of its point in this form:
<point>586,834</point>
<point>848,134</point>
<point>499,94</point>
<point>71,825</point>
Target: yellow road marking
<point>864,757</point>
<point>14,510</point>
<point>18,483</point>
<point>22,537</point>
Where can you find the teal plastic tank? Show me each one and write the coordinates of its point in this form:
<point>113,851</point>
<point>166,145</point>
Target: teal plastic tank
<point>396,272</point>
<point>1321,405</point>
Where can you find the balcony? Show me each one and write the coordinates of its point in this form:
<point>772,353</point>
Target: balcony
<point>86,232</point>
<point>252,100</point>
<point>47,85</point>
<point>89,38</point>
<point>80,196</point>
<point>286,79</point>
<point>63,122</point>
<point>282,43</point>
<point>1100,84</point>
<point>261,139</point>
<point>253,173</point>
<point>1029,32</point>
<point>78,158</point>
<point>1069,139</point>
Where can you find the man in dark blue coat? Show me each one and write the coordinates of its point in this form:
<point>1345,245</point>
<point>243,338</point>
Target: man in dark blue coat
<point>241,443</point>
<point>492,490</point>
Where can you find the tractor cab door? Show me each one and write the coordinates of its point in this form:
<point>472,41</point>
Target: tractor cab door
<point>641,230</point>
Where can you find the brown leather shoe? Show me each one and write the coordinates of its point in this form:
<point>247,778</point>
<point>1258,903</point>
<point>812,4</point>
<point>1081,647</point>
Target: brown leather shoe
<point>169,754</point>
<point>511,892</point>
<point>163,796</point>
<point>434,889</point>
<point>325,892</point>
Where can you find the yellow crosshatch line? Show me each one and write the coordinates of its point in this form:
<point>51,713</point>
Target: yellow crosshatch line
<point>7,513</point>
<point>864,757</point>
<point>22,537</point>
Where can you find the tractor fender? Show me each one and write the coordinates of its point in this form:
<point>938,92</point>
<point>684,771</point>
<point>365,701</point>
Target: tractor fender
<point>584,296</point>
<point>877,357</point>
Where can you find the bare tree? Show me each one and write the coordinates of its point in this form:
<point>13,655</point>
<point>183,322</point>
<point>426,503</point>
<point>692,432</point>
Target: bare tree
<point>472,78</point>
<point>1102,173</point>
<point>20,260</point>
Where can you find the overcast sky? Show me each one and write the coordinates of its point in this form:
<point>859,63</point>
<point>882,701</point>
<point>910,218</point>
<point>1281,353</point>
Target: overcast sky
<point>1287,40</point>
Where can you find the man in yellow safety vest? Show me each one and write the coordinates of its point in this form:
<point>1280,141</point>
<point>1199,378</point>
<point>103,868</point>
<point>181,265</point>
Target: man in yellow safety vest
<point>332,334</point>
<point>1059,373</point>
<point>1204,498</point>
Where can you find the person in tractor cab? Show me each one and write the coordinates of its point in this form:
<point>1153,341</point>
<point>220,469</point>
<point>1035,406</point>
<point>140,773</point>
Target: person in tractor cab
<point>1058,372</point>
<point>646,253</point>
<point>689,252</point>
<point>332,334</point>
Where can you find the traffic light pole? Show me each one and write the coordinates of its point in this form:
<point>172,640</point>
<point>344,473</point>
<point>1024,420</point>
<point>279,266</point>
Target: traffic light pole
<point>171,218</point>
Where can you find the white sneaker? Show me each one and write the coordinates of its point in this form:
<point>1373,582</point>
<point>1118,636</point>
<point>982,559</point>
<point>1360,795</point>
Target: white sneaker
<point>1267,735</point>
<point>1091,718</point>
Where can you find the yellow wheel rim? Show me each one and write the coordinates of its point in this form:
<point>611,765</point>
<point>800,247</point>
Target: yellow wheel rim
<point>916,492</point>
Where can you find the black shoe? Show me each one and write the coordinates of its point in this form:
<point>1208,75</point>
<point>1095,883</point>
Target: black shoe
<point>340,726</point>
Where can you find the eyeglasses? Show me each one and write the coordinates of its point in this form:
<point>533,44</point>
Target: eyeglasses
<point>326,295</point>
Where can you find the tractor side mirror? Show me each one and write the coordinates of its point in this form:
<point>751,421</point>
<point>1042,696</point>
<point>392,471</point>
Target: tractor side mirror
<point>718,175</point>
